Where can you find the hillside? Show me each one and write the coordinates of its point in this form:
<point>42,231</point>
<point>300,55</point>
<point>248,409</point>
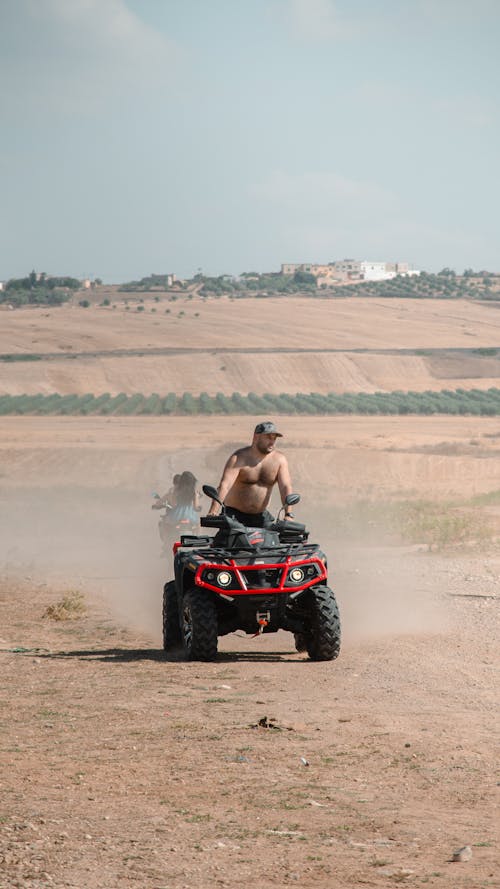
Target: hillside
<point>292,344</point>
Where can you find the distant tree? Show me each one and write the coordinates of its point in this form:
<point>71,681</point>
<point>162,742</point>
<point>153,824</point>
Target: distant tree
<point>304,278</point>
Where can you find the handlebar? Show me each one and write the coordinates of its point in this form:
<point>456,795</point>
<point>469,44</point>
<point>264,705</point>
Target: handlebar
<point>213,521</point>
<point>283,526</point>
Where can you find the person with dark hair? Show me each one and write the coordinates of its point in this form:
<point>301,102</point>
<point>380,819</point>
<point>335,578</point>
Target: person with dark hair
<point>171,495</point>
<point>182,502</point>
<point>249,477</point>
<point>170,498</point>
<point>187,500</point>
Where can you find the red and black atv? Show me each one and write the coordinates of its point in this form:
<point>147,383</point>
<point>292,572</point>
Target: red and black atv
<point>259,580</point>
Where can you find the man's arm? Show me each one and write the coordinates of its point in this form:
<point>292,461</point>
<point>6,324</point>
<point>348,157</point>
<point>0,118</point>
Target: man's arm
<point>229,476</point>
<point>284,482</point>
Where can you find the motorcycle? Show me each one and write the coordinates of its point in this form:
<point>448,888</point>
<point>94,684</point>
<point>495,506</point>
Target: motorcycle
<point>169,529</point>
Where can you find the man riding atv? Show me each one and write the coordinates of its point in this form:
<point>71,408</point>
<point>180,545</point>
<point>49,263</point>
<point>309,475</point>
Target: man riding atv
<point>249,477</point>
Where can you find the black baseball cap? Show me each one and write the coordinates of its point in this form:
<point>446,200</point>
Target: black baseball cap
<point>267,428</point>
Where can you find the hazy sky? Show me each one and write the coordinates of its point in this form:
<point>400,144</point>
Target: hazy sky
<point>143,136</point>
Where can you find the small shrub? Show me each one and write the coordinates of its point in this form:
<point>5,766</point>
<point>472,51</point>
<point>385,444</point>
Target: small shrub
<point>70,607</point>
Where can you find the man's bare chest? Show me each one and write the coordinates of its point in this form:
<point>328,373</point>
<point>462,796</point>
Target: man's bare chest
<point>263,473</point>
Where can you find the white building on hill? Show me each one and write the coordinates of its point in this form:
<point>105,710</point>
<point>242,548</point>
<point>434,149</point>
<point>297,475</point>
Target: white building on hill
<point>350,270</point>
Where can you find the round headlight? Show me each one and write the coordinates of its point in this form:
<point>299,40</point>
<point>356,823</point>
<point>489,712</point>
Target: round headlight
<point>224,578</point>
<point>296,574</point>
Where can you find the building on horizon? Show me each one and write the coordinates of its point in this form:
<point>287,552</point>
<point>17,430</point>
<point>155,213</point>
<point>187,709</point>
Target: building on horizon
<point>344,270</point>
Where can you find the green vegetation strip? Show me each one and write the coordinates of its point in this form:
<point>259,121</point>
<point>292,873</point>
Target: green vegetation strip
<point>475,402</point>
<point>445,285</point>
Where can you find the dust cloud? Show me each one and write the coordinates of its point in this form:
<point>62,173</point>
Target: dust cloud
<point>383,588</point>
<point>104,542</point>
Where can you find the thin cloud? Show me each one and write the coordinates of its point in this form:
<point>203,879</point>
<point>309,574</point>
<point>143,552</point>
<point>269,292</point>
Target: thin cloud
<point>316,20</point>
<point>77,55</point>
<point>322,195</point>
<point>452,11</point>
<point>467,108</point>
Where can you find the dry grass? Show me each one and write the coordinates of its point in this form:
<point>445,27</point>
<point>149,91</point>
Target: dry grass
<point>119,346</point>
<point>70,607</point>
<point>441,525</point>
<point>436,524</point>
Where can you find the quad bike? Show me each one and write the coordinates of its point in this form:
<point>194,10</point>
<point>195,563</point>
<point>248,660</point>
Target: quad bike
<point>259,580</point>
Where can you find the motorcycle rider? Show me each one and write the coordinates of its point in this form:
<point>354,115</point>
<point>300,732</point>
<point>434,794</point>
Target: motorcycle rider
<point>187,500</point>
<point>183,505</point>
<point>168,501</point>
<point>249,477</point>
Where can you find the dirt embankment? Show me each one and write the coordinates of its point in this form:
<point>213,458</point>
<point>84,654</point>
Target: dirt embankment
<point>349,345</point>
<point>332,458</point>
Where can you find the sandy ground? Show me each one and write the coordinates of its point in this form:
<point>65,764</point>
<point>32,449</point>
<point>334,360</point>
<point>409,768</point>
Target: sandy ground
<point>332,458</point>
<point>271,345</point>
<point>213,372</point>
<point>122,767</point>
<point>293,322</point>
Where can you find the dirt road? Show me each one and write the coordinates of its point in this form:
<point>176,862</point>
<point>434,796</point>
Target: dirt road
<point>123,768</point>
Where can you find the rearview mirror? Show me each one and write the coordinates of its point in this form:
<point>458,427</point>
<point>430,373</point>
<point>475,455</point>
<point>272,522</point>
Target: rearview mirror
<point>212,492</point>
<point>292,499</point>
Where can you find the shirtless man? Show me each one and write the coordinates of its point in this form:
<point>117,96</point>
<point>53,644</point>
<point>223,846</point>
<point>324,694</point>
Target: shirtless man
<point>249,477</point>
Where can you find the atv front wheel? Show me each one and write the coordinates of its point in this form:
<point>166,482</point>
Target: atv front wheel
<point>300,642</point>
<point>323,640</point>
<point>171,626</point>
<point>199,625</point>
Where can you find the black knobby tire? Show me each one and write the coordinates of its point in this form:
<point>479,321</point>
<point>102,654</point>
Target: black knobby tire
<point>171,626</point>
<point>323,641</point>
<point>199,625</point>
<point>300,642</point>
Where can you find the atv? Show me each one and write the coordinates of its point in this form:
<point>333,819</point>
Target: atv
<point>259,580</point>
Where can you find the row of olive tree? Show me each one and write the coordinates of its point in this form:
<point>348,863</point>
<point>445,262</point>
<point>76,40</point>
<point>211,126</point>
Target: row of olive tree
<point>476,402</point>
